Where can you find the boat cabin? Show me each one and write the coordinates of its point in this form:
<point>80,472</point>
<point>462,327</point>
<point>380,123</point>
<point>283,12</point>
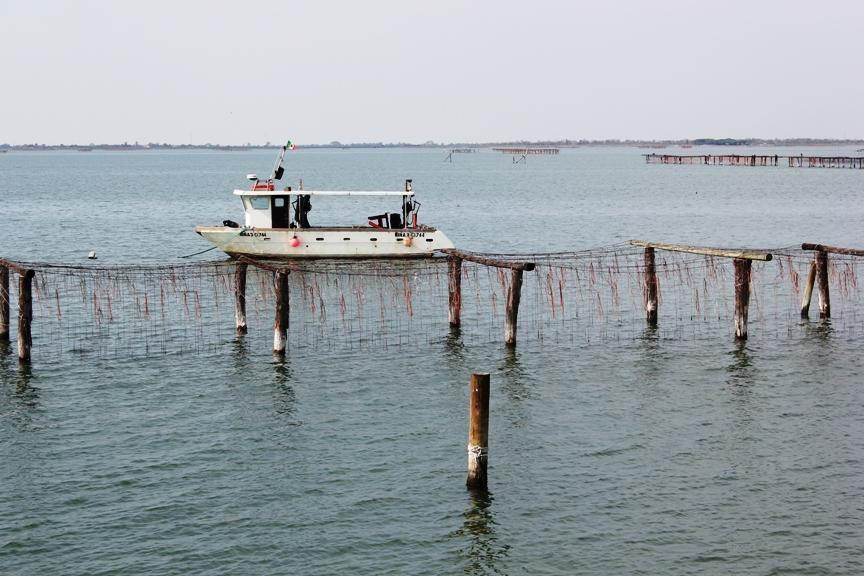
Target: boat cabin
<point>266,207</point>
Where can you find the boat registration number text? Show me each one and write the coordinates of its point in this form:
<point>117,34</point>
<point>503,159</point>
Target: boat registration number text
<point>254,234</point>
<point>410,234</point>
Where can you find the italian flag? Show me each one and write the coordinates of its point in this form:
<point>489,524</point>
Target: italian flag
<point>290,146</point>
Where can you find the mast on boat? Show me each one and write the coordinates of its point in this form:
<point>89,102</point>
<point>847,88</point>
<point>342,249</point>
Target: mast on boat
<point>278,169</point>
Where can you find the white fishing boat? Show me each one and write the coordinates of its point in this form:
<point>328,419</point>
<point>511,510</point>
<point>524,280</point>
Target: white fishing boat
<point>276,225</point>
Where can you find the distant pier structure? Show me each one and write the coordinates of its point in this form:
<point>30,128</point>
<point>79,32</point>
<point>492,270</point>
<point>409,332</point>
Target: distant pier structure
<point>826,161</point>
<point>799,161</point>
<point>528,151</point>
<point>449,157</point>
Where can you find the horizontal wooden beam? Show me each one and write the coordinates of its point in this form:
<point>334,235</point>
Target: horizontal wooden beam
<point>496,262</point>
<point>705,251</point>
<point>264,265</point>
<point>832,249</point>
<point>14,266</point>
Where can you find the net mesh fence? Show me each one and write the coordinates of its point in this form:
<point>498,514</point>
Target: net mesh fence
<point>568,299</point>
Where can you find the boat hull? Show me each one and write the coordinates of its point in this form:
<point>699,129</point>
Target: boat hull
<point>341,242</point>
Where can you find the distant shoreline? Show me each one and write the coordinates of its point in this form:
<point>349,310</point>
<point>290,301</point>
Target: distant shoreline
<point>434,145</point>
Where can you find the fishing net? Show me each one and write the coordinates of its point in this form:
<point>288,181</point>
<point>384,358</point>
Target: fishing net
<point>569,299</point>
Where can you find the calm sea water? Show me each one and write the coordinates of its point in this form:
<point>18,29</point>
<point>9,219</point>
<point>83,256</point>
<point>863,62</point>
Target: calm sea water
<point>645,455</point>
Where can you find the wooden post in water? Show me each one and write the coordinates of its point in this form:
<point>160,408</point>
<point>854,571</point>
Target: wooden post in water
<point>650,286</point>
<point>822,275</point>
<point>808,291</point>
<point>742,296</point>
<point>742,260</point>
<point>514,291</point>
<point>25,314</point>
<point>514,294</point>
<point>478,431</point>
<point>240,298</point>
<point>4,303</point>
<point>280,328</point>
<point>454,290</point>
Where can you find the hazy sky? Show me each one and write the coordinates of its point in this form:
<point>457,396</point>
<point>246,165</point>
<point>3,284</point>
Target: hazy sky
<point>368,70</point>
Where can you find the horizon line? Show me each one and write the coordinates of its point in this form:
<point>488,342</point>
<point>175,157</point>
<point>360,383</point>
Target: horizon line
<point>433,144</point>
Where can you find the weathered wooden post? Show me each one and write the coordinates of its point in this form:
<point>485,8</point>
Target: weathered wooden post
<point>822,275</point>
<point>808,291</point>
<point>478,431</point>
<point>742,259</point>
<point>514,295</point>
<point>650,286</point>
<point>280,328</point>
<point>240,298</point>
<point>822,251</point>
<point>454,290</point>
<point>4,303</point>
<point>25,314</point>
<point>742,296</point>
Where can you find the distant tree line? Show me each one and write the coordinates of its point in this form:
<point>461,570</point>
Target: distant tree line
<point>432,144</point>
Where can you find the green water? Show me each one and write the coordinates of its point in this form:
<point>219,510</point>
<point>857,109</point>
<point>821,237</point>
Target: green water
<point>644,452</point>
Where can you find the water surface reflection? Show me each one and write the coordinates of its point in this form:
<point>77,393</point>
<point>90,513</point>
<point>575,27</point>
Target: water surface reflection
<point>651,358</point>
<point>454,347</point>
<point>483,553</point>
<point>514,376</point>
<point>741,370</point>
<point>822,331</point>
<point>284,398</point>
<point>19,399</point>
<point>240,353</point>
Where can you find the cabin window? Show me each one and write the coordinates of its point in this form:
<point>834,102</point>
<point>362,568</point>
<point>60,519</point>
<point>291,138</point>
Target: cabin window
<point>279,202</point>
<point>259,202</point>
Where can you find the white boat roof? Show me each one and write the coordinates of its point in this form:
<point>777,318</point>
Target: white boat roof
<point>324,192</point>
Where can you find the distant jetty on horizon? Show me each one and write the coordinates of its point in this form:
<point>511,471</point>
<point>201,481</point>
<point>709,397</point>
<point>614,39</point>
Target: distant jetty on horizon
<point>462,146</point>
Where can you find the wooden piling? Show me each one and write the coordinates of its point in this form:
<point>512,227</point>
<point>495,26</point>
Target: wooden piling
<point>651,303</point>
<point>454,290</point>
<point>822,276</point>
<point>4,304</point>
<point>514,291</point>
<point>808,291</point>
<point>514,295</point>
<point>280,327</point>
<point>478,431</point>
<point>743,260</point>
<point>742,296</point>
<point>25,314</point>
<point>822,252</point>
<point>240,298</point>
